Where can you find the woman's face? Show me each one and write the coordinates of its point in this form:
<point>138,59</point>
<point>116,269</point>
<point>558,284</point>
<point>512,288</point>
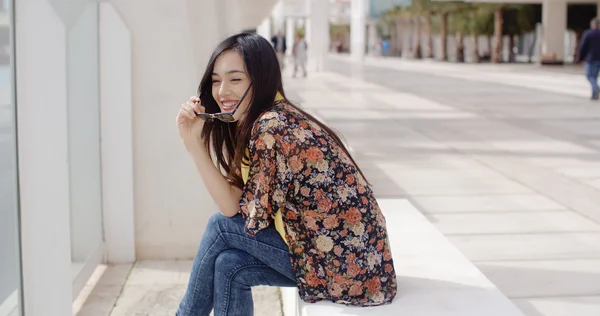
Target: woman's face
<point>229,82</point>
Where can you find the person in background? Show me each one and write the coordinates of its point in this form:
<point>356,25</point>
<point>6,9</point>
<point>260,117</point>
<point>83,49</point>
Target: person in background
<point>589,52</point>
<point>280,46</point>
<point>300,53</point>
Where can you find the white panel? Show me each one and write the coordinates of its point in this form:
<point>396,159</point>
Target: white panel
<point>84,133</point>
<point>117,136</point>
<point>43,152</point>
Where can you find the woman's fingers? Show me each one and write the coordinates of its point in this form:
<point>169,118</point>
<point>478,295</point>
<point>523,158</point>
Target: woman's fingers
<point>195,106</point>
<point>188,111</point>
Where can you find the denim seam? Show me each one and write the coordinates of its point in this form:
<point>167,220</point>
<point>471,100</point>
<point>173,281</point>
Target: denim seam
<point>196,283</point>
<point>221,236</point>
<point>230,278</point>
<point>260,242</point>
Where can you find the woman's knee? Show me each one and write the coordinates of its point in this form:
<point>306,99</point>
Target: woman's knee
<point>221,223</point>
<point>230,265</point>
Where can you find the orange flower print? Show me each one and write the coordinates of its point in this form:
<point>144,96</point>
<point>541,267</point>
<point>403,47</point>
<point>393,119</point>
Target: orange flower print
<point>285,146</point>
<point>319,194</point>
<point>310,213</point>
<point>373,285</point>
<point>356,289</point>
<point>339,279</point>
<point>312,279</point>
<point>260,144</point>
<point>387,255</point>
<point>291,215</point>
<point>295,164</point>
<point>389,268</point>
<point>350,179</point>
<point>331,222</point>
<point>314,154</point>
<point>380,245</point>
<point>353,216</point>
<point>311,223</point>
<point>361,189</point>
<point>324,205</point>
<point>305,191</point>
<point>336,290</point>
<point>353,269</point>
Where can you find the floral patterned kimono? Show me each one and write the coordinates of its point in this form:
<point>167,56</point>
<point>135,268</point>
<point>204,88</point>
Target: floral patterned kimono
<point>336,232</point>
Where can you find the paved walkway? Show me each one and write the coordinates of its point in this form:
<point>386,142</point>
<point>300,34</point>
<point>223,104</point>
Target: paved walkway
<point>507,169</point>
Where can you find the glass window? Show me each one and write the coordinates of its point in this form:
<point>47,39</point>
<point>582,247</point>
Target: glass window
<point>10,279</point>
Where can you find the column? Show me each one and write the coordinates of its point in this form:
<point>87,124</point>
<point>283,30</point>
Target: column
<point>318,34</point>
<point>357,29</point>
<point>290,30</point>
<point>278,18</point>
<point>264,29</point>
<point>554,20</point>
<point>372,37</point>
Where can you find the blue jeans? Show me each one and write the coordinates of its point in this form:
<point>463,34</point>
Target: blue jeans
<point>229,263</point>
<point>591,72</point>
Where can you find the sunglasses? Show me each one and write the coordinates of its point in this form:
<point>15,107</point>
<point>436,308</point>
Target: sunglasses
<point>226,117</point>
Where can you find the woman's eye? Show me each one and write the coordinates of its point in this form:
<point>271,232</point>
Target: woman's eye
<point>215,81</point>
<point>236,79</point>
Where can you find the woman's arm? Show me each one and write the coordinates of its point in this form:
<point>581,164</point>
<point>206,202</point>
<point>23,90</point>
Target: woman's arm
<point>224,194</point>
<point>190,126</point>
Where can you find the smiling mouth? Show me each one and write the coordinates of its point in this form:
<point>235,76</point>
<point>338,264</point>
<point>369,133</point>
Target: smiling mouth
<point>228,106</point>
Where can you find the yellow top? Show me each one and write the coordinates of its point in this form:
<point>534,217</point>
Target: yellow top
<point>278,218</point>
<point>246,169</point>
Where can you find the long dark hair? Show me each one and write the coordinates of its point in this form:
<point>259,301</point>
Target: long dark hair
<point>227,142</point>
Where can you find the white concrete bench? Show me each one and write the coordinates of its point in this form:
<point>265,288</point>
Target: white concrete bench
<point>434,278</point>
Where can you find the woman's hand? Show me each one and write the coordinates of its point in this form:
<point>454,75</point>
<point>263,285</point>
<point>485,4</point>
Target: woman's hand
<point>190,125</point>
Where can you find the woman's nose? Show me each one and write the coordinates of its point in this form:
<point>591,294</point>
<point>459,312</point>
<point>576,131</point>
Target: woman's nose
<point>223,89</point>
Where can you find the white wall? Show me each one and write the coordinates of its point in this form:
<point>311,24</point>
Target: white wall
<point>170,45</point>
<point>171,42</point>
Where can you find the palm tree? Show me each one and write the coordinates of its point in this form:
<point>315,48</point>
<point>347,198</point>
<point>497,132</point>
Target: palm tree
<point>446,10</point>
<point>498,24</point>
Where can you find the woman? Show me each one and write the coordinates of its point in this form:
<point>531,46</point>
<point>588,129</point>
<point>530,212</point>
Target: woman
<point>295,208</point>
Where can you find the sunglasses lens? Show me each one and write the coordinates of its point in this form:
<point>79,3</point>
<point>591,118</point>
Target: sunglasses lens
<point>227,118</point>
